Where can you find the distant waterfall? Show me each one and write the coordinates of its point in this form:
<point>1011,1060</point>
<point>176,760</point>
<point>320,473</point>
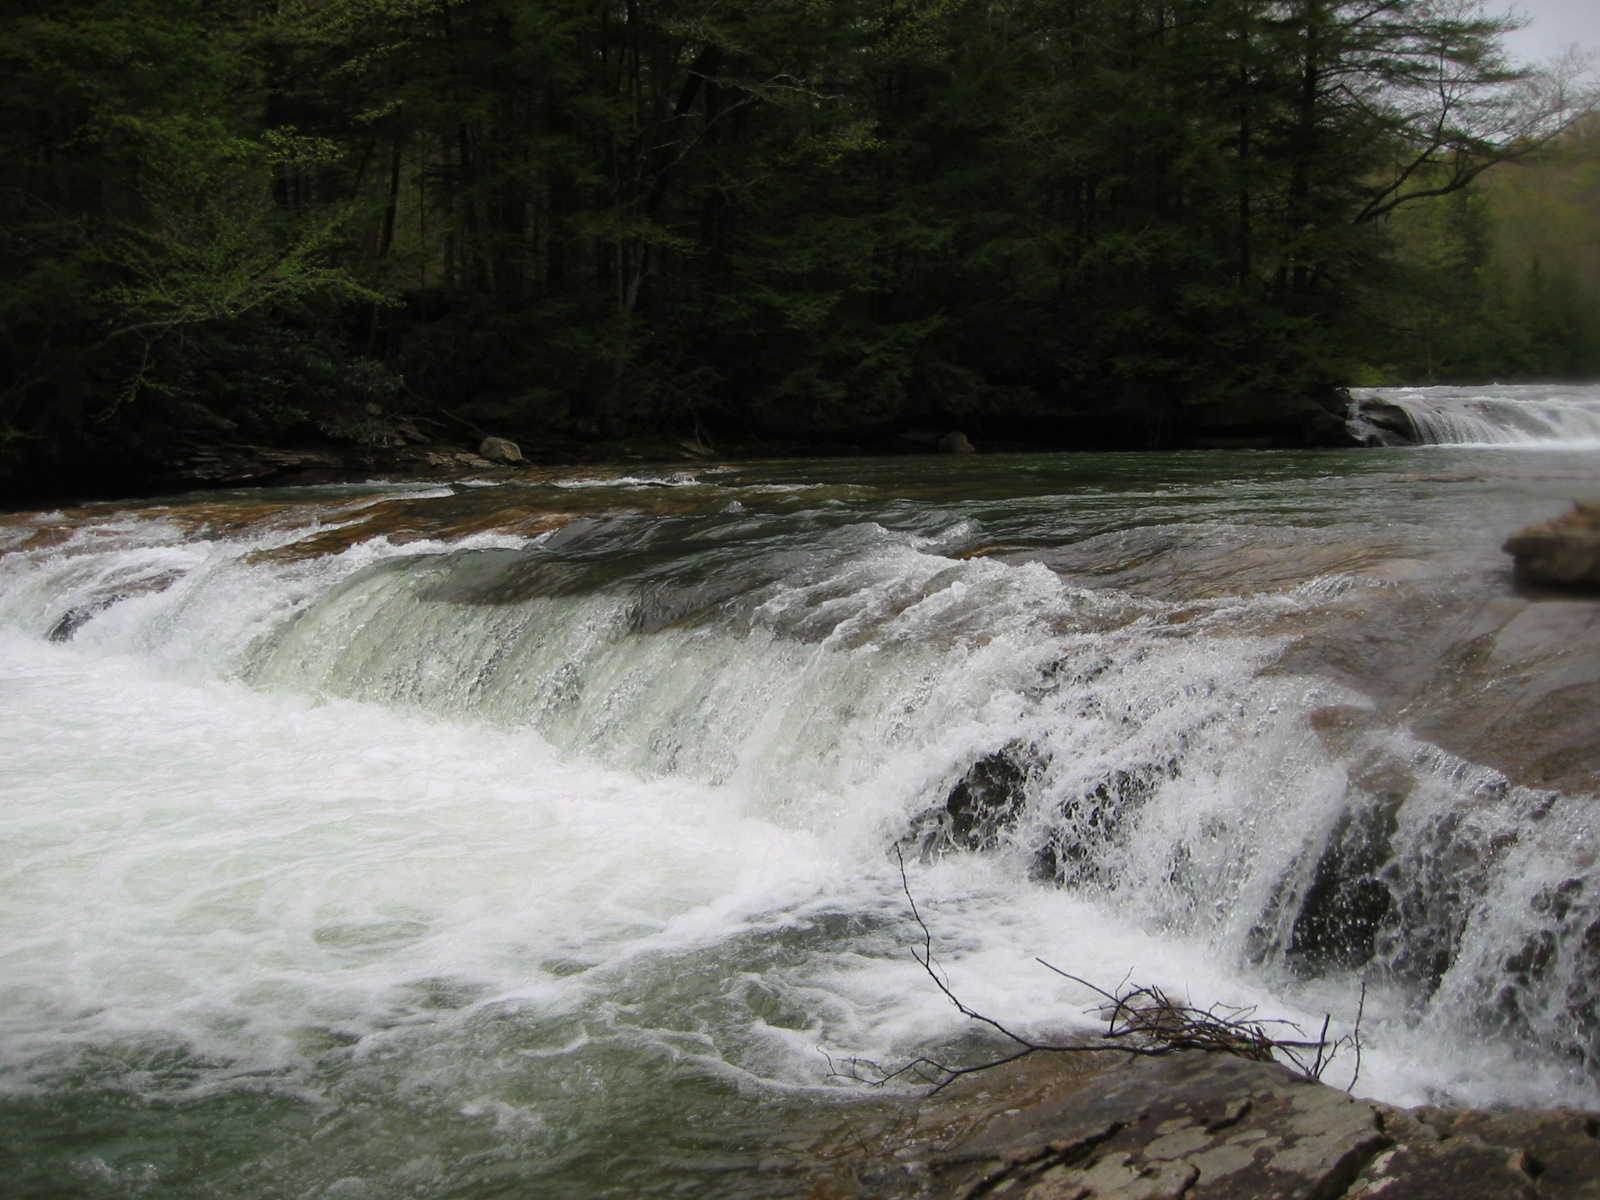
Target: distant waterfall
<point>1493,415</point>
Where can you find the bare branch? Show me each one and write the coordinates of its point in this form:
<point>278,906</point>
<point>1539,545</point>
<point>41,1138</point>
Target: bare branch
<point>1140,1020</point>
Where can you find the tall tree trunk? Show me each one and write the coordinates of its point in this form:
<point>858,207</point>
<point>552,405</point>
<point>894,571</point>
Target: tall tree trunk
<point>392,202</point>
<point>1305,148</point>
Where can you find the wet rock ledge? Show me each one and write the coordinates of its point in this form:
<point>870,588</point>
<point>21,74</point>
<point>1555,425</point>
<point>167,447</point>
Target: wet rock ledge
<point>1198,1126</point>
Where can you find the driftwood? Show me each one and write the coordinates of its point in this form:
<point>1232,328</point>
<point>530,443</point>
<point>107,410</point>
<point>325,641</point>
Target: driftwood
<point>1140,1020</point>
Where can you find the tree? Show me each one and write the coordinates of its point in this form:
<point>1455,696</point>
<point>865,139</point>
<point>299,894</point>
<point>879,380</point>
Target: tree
<point>1080,222</point>
<point>142,239</point>
<point>1386,104</point>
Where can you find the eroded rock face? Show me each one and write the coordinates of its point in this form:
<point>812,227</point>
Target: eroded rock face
<point>1214,1127</point>
<point>1562,552</point>
<point>237,465</point>
<point>1384,423</point>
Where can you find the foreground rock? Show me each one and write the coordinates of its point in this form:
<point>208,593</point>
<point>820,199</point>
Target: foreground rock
<point>1563,552</point>
<point>1199,1126</point>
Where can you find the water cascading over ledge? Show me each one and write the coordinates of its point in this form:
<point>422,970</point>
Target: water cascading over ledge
<point>506,837</point>
<point>1070,730</point>
<point>1488,415</point>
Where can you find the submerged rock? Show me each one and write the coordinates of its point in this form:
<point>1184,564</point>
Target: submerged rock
<point>67,625</point>
<point>1198,1126</point>
<point>984,806</point>
<point>989,798</point>
<point>1562,552</point>
<point>1348,903</point>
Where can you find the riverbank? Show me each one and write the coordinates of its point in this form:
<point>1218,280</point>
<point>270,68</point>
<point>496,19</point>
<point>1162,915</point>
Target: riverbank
<point>1197,1126</point>
<point>397,445</point>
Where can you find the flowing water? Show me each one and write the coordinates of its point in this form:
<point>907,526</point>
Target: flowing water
<point>537,838</point>
<point>1556,415</point>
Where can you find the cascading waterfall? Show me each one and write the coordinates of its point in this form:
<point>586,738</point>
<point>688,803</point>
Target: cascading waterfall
<point>488,848</point>
<point>1492,415</point>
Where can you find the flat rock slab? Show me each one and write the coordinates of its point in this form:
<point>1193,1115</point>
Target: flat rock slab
<point>1214,1127</point>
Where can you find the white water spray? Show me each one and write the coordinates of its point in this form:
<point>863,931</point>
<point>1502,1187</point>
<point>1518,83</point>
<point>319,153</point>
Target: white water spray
<point>1495,415</point>
<point>440,836</point>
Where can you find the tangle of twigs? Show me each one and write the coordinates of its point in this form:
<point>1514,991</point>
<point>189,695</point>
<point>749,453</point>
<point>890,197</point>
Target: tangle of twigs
<point>1140,1020</point>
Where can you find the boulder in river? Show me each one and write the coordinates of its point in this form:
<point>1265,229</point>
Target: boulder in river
<point>956,442</point>
<point>1562,552</point>
<point>500,450</point>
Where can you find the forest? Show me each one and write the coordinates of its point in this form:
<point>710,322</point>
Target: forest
<point>815,225</point>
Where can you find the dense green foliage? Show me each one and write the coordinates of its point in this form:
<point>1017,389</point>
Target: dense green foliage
<point>1090,222</point>
<point>1502,281</point>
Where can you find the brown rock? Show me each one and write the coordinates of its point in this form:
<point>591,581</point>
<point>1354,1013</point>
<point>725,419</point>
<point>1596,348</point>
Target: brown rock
<point>1200,1126</point>
<point>499,450</point>
<point>1562,552</point>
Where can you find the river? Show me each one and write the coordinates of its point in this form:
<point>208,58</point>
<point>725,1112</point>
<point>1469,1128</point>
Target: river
<point>536,837</point>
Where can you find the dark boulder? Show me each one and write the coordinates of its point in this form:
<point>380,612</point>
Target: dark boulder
<point>1383,422</point>
<point>956,443</point>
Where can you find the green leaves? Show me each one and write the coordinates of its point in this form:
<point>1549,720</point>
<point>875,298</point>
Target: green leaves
<point>819,218</point>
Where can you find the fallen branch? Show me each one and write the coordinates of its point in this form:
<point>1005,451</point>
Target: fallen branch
<point>1140,1020</point>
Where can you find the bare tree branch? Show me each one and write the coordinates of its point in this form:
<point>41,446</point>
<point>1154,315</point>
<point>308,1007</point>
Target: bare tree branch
<point>1140,1020</point>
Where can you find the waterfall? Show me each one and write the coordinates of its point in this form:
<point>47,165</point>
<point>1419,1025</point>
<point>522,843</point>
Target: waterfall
<point>438,830</point>
<point>1489,415</point>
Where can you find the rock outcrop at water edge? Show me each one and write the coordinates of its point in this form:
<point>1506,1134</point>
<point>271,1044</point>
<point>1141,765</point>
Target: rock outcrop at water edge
<point>1214,1127</point>
<point>956,442</point>
<point>500,450</point>
<point>1562,552</point>
<point>1376,421</point>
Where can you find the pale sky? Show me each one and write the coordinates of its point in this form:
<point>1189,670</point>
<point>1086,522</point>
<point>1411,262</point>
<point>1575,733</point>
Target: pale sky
<point>1554,25</point>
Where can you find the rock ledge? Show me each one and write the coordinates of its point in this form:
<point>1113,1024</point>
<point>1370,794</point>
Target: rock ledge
<point>1213,1127</point>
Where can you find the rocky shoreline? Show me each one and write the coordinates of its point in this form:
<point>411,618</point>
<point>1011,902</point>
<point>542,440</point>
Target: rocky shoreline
<point>1198,1126</point>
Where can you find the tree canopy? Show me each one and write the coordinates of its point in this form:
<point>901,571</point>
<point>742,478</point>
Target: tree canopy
<point>1067,222</point>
